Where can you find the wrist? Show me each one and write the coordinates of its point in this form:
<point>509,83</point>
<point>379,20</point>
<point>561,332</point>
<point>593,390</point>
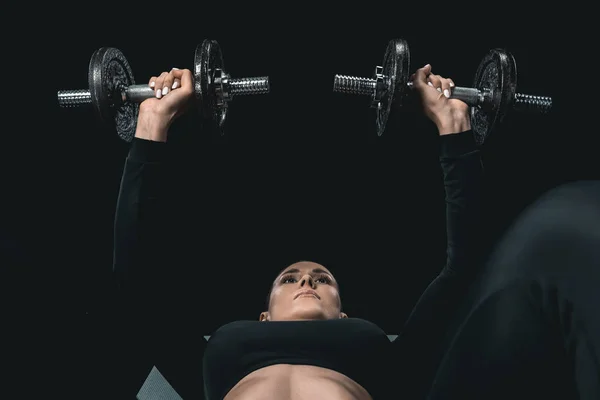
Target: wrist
<point>454,123</point>
<point>154,129</point>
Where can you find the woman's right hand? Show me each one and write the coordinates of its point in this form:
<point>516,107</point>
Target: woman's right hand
<point>449,115</point>
<point>174,91</point>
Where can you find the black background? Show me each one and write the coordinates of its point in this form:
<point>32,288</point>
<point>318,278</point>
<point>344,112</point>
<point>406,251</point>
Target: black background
<point>300,174</point>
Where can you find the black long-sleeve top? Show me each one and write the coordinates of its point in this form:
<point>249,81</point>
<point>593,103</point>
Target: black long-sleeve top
<point>140,272</point>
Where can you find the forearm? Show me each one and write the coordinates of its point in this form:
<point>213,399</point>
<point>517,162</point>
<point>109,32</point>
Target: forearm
<point>138,213</point>
<point>463,174</point>
<point>422,337</point>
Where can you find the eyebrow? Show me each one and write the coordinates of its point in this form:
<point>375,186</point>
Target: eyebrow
<point>296,270</point>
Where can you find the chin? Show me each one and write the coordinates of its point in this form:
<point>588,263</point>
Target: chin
<point>308,314</point>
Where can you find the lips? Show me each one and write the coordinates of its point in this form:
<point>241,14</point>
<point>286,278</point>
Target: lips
<point>307,292</point>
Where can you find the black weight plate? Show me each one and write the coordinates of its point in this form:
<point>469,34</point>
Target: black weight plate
<point>207,58</point>
<point>496,72</point>
<point>109,74</point>
<point>396,64</point>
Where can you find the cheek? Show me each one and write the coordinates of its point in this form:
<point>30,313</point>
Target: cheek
<point>278,297</point>
<point>332,295</point>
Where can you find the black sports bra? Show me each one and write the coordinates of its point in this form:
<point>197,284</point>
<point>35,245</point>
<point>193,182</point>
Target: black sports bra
<point>354,347</point>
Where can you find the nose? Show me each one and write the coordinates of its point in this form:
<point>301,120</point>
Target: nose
<point>307,280</point>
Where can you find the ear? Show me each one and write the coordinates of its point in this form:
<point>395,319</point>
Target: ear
<point>264,316</point>
<point>343,315</point>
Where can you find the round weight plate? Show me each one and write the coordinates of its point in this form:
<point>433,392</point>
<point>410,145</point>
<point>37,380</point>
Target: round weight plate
<point>207,59</point>
<point>396,64</point>
<point>497,73</point>
<point>109,74</point>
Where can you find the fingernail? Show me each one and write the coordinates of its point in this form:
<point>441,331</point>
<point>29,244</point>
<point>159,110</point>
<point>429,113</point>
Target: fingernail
<point>174,86</point>
<point>158,93</point>
<point>175,68</point>
<point>446,93</point>
<point>165,90</point>
<point>430,84</point>
<point>152,84</point>
<point>439,90</point>
<point>451,84</point>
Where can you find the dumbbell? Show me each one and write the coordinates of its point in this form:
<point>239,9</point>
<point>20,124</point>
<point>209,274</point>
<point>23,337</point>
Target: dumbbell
<point>115,97</point>
<point>492,97</point>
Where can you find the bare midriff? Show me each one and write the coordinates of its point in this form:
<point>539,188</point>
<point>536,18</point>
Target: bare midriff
<point>296,382</point>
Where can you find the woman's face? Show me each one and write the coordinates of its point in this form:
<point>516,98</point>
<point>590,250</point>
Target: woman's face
<point>304,290</point>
